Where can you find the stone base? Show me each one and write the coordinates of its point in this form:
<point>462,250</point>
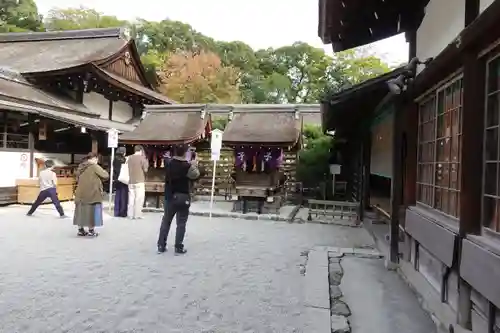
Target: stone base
<point>154,200</point>
<point>252,206</point>
<point>389,265</point>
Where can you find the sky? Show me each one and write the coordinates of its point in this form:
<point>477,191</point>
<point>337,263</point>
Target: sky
<point>259,23</point>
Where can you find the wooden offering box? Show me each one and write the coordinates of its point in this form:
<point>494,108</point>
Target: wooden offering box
<point>28,189</point>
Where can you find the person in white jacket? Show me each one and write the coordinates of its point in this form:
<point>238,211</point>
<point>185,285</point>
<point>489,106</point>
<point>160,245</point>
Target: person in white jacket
<point>48,183</point>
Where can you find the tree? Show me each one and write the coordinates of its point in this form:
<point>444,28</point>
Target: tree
<point>189,77</point>
<point>219,122</point>
<point>313,162</point>
<point>80,18</point>
<point>359,65</point>
<point>19,15</point>
<point>170,36</point>
<point>296,73</point>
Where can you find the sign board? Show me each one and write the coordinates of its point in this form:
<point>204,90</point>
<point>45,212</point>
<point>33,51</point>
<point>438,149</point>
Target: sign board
<point>216,143</point>
<point>215,156</point>
<point>335,169</point>
<point>112,138</point>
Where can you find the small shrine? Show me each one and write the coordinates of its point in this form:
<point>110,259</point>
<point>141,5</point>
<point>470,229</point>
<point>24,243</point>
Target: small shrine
<point>263,137</point>
<point>161,128</point>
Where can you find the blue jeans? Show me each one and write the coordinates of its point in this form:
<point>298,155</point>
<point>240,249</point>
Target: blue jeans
<point>50,192</point>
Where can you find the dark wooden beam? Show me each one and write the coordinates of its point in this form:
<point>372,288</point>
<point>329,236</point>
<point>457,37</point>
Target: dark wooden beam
<point>410,162</point>
<point>367,152</point>
<point>411,38</point>
<point>397,179</point>
<point>472,144</point>
<point>31,143</point>
<point>80,91</point>
<point>471,11</point>
<point>474,78</point>
<point>5,128</point>
<point>110,109</point>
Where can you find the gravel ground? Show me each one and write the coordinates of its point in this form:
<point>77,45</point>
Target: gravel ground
<point>238,275</point>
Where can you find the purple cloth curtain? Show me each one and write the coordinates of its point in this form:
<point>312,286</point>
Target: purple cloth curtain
<point>271,158</point>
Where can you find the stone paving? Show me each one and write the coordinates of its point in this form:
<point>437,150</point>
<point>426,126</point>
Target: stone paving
<point>238,275</point>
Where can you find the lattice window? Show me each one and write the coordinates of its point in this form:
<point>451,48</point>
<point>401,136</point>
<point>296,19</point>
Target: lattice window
<point>491,165</point>
<point>439,146</point>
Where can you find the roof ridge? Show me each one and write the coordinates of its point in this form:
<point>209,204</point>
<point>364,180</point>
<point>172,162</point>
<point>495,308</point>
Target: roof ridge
<point>12,37</point>
<point>10,74</point>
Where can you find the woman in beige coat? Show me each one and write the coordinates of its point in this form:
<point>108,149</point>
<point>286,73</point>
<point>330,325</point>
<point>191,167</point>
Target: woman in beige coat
<point>89,196</point>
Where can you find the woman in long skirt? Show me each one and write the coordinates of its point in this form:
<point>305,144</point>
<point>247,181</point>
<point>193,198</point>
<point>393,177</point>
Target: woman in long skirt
<point>89,195</point>
<point>121,189</point>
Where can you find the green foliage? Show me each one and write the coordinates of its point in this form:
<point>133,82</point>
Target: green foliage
<point>297,73</point>
<point>312,132</point>
<point>219,122</point>
<point>80,18</point>
<point>19,15</point>
<point>312,166</point>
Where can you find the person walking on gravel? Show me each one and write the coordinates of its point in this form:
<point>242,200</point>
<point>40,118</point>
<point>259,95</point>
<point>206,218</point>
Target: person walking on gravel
<point>137,168</point>
<point>121,189</point>
<point>48,183</point>
<point>89,195</point>
<point>179,174</point>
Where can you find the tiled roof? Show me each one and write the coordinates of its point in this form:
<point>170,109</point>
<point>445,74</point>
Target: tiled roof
<point>39,52</point>
<point>169,124</point>
<point>272,124</point>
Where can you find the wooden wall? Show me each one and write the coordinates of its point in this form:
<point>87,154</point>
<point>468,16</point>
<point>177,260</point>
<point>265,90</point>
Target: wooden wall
<point>223,172</point>
<point>225,167</point>
<point>290,168</point>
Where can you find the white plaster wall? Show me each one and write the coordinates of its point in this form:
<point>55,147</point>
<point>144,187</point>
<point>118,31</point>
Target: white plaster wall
<point>483,4</point>
<point>122,111</point>
<point>443,21</point>
<point>97,103</point>
<point>381,150</point>
<point>15,165</point>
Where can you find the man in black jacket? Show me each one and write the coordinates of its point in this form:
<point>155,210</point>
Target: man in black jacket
<point>179,173</point>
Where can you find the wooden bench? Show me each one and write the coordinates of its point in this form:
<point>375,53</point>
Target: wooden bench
<point>333,209</point>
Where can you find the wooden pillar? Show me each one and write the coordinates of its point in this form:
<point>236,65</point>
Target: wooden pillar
<point>471,162</point>
<point>471,167</point>
<point>95,143</point>
<point>472,145</point>
<point>5,129</point>
<point>110,109</point>
<point>397,180</point>
<point>367,153</point>
<point>471,11</point>
<point>80,91</point>
<point>411,136</point>
<point>411,149</point>
<point>31,143</point>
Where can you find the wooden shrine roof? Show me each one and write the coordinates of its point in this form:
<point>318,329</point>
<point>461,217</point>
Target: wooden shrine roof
<point>14,86</point>
<point>132,86</point>
<point>347,110</point>
<point>265,124</point>
<point>350,23</point>
<point>38,54</point>
<point>170,124</point>
<point>16,94</point>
